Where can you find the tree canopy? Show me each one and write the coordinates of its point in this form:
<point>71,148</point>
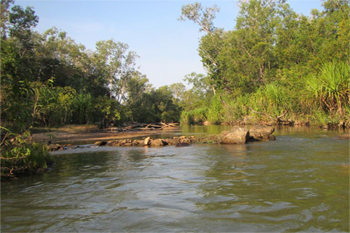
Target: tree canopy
<point>274,61</point>
<point>48,79</point>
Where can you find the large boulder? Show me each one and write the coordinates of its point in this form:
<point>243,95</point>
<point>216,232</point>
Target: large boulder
<point>261,133</point>
<point>237,135</point>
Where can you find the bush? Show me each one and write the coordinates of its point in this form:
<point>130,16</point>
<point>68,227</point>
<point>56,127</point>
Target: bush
<point>195,116</point>
<point>20,155</point>
<point>330,87</point>
<point>215,114</point>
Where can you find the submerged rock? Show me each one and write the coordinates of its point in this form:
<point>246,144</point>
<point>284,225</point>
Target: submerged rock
<point>343,137</point>
<point>183,144</point>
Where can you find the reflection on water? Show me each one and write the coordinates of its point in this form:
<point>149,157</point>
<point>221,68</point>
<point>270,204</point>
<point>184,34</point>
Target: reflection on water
<point>299,182</point>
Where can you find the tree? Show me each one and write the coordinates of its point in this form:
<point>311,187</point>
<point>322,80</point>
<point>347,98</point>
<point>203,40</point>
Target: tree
<point>178,91</point>
<point>210,45</point>
<point>203,17</point>
<point>118,65</point>
<point>60,57</point>
<point>267,60</point>
<point>256,26</point>
<point>165,108</point>
<point>5,14</point>
<point>136,87</point>
<point>17,64</point>
<point>22,21</point>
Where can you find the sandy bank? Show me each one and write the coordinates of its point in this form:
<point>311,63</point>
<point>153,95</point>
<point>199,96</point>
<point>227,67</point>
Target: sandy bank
<point>59,137</point>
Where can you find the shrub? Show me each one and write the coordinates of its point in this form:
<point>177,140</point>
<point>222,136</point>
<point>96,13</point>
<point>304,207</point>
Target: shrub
<point>330,87</point>
<point>19,154</point>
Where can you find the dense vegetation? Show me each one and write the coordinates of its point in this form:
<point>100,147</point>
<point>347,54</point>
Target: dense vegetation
<point>276,65</point>
<point>49,80</point>
<point>20,155</point>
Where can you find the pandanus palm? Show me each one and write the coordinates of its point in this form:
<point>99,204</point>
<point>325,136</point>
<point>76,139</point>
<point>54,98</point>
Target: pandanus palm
<point>331,86</point>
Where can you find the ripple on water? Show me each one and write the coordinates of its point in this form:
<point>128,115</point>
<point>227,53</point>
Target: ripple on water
<point>291,184</point>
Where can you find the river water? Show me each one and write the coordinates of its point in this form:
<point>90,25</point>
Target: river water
<point>300,182</point>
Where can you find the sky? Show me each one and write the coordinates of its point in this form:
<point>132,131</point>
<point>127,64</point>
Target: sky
<point>167,47</point>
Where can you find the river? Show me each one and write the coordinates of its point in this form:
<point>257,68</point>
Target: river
<point>300,182</point>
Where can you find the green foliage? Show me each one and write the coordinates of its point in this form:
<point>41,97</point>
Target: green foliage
<point>275,63</point>
<point>117,64</point>
<point>19,152</point>
<point>272,99</point>
<point>203,17</point>
<point>52,105</point>
<point>195,116</point>
<point>106,111</point>
<point>331,86</point>
<point>214,114</point>
<point>48,79</point>
<point>236,109</point>
<point>83,109</point>
<point>156,105</point>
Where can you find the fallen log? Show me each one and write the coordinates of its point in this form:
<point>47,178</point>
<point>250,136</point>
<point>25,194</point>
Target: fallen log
<point>278,119</point>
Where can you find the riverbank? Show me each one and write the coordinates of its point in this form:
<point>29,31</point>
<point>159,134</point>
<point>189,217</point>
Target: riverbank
<point>12,168</point>
<point>59,137</point>
<point>87,133</point>
<point>71,137</point>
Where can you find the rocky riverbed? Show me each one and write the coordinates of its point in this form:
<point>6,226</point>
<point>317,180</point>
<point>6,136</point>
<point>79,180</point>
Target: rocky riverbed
<point>237,135</point>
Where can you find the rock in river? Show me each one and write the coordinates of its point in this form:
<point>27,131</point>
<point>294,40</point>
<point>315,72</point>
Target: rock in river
<point>237,135</point>
<point>158,143</point>
<point>261,133</point>
<point>100,143</point>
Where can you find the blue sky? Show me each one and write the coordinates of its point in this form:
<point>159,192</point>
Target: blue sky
<point>167,47</point>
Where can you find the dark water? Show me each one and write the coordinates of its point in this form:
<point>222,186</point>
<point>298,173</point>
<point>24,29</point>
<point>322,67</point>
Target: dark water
<point>300,182</point>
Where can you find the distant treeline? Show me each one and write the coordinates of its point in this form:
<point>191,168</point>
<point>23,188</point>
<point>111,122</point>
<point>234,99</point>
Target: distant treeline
<point>275,64</point>
<point>49,80</point>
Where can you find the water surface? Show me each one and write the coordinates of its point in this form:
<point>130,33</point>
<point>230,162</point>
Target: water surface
<point>300,182</point>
